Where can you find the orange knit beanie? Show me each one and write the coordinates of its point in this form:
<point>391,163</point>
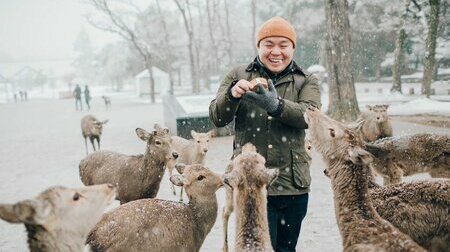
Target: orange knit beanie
<point>277,27</point>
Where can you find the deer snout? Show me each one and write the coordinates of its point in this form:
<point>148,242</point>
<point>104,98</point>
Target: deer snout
<point>205,150</point>
<point>175,154</point>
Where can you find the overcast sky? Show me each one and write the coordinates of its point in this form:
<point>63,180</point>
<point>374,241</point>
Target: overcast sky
<point>44,29</point>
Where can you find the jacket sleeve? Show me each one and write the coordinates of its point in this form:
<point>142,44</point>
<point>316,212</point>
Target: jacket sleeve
<point>223,108</point>
<point>293,111</point>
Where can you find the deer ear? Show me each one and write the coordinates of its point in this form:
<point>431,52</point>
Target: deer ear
<point>177,180</point>
<point>369,107</point>
<point>375,149</point>
<point>270,175</point>
<point>143,134</point>
<point>166,131</point>
<point>180,168</point>
<point>193,134</point>
<point>105,121</point>
<point>157,127</point>
<point>230,180</point>
<point>359,156</point>
<point>27,211</point>
<point>248,147</point>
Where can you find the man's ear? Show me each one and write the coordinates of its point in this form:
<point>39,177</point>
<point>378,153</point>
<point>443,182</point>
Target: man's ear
<point>143,134</point>
<point>177,180</point>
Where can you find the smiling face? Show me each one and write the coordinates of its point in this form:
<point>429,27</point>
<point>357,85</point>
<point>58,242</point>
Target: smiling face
<point>276,53</point>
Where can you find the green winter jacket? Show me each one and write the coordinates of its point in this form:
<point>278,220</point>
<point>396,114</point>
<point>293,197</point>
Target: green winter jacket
<point>279,139</point>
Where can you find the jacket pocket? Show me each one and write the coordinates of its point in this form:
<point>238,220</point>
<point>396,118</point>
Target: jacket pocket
<point>300,171</point>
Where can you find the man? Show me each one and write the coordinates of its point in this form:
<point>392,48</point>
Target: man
<point>273,121</point>
<point>77,95</point>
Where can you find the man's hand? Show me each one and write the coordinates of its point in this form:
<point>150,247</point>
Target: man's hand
<point>240,88</point>
<point>267,100</point>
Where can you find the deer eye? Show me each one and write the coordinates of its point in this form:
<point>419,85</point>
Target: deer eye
<point>332,134</point>
<point>207,141</point>
<point>198,141</point>
<point>201,177</point>
<point>76,196</point>
<point>158,142</point>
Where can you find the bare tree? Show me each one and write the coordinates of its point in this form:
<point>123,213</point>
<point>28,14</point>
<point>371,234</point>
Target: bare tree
<point>168,51</point>
<point>118,25</point>
<point>342,97</point>
<point>187,19</point>
<point>430,47</point>
<point>399,55</point>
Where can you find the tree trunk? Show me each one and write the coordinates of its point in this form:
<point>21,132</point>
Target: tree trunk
<point>342,97</point>
<point>192,61</point>
<point>169,59</point>
<point>148,66</point>
<point>399,53</point>
<point>253,8</point>
<point>229,37</point>
<point>430,47</point>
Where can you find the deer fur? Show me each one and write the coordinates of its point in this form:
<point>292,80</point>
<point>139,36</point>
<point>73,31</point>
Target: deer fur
<point>137,176</point>
<point>60,218</point>
<point>419,209</point>
<point>189,152</point>
<point>375,123</point>
<point>91,128</point>
<point>360,226</point>
<point>162,225</point>
<point>249,179</point>
<point>395,157</point>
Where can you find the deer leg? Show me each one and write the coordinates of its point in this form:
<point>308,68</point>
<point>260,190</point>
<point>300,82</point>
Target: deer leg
<point>92,142</point>
<point>85,144</point>
<point>227,210</point>
<point>181,195</point>
<point>98,142</point>
<point>170,169</point>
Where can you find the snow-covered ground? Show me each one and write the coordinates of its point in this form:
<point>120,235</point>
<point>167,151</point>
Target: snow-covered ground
<point>41,146</point>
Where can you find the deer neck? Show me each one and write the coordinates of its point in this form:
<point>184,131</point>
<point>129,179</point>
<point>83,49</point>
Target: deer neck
<point>252,228</point>
<point>150,161</point>
<point>40,239</point>
<point>205,214</point>
<point>351,198</point>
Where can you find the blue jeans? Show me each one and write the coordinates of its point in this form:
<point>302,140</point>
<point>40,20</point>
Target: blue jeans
<point>285,215</point>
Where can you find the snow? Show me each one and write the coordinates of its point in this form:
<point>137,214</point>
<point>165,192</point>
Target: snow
<point>41,146</point>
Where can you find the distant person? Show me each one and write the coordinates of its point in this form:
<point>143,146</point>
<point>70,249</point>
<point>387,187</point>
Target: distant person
<point>25,95</point>
<point>77,95</point>
<point>87,96</point>
<point>15,97</point>
<point>21,95</point>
